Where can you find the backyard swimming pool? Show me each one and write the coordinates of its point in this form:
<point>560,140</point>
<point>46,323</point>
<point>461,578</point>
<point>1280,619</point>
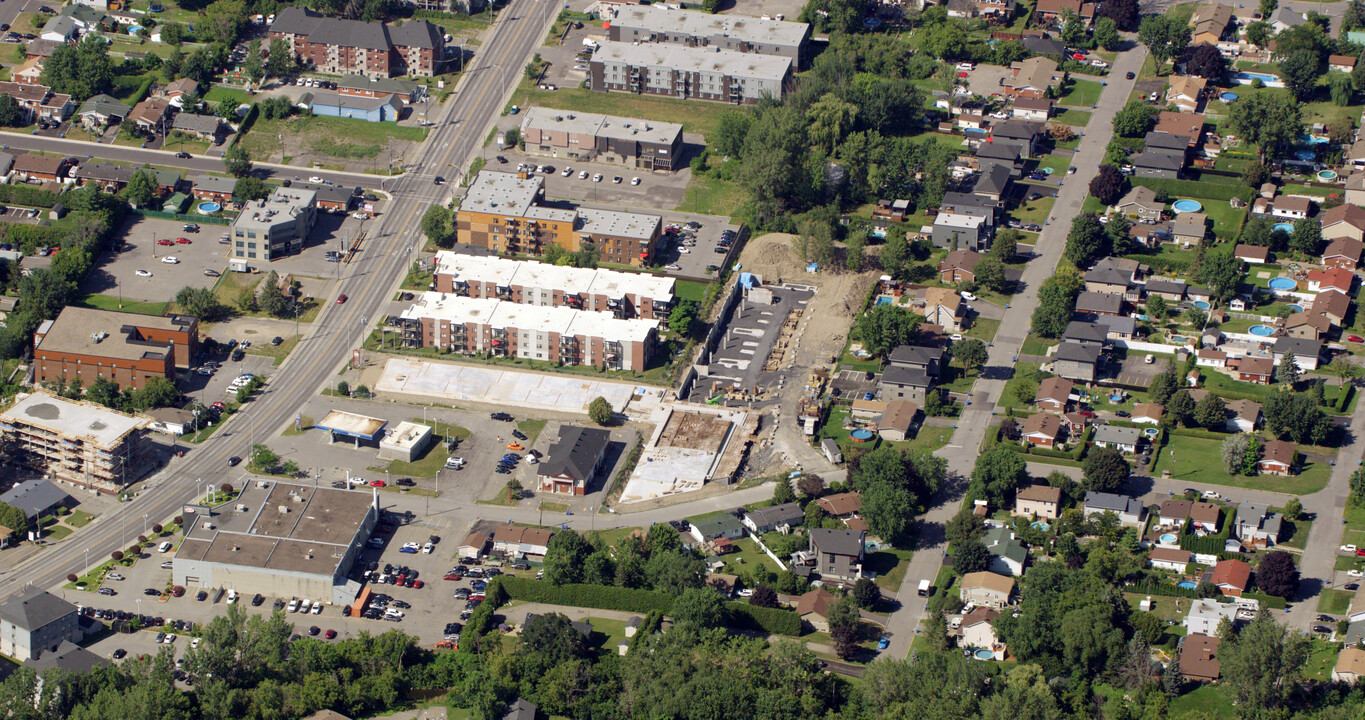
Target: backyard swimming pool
<point>1168,538</point>
<point>1282,283</point>
<point>1287,227</point>
<point>209,208</point>
<point>1247,78</point>
<point>885,300</point>
<point>1261,330</point>
<point>1202,305</point>
<point>1187,584</point>
<point>1186,206</point>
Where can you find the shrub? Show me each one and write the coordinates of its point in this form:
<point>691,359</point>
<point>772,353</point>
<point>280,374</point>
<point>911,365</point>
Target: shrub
<point>72,577</point>
<point>775,621</point>
<point>602,597</point>
<point>117,555</point>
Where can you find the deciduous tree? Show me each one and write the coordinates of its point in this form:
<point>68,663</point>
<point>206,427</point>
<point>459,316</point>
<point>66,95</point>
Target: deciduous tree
<point>1106,470</point>
<point>1262,661</point>
<point>1108,185</point>
<point>1165,37</point>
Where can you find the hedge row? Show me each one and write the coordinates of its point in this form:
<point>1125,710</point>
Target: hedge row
<point>27,195</point>
<point>141,93</point>
<point>1270,601</point>
<point>1344,400</point>
<point>602,597</point>
<point>1207,545</point>
<point>1188,188</point>
<point>1170,266</point>
<point>481,621</point>
<point>774,621</point>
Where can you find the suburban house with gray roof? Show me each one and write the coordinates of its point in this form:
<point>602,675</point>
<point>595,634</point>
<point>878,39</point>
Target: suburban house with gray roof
<point>36,498</point>
<point>574,461</point>
<point>1075,361</point>
<point>1009,555</point>
<point>838,553</point>
<point>1128,509</point>
<point>36,621</point>
<point>768,519</point>
<point>1123,438</point>
<point>714,527</point>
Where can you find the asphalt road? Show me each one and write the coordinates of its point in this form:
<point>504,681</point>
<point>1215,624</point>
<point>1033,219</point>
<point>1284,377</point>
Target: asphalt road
<point>371,279</point>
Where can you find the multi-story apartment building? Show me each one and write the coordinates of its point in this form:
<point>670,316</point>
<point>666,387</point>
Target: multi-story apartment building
<point>373,49</point>
<point>82,443</point>
<point>86,344</point>
<point>623,294</point>
<point>680,71</point>
<point>503,213</point>
<point>559,335</point>
<point>591,137</point>
<point>659,24</point>
<point>36,621</point>
<point>276,226</point>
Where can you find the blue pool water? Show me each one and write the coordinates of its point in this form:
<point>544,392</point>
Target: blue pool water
<point>1202,305</point>
<point>1246,78</point>
<point>1312,139</point>
<point>1151,432</point>
<point>1296,308</point>
<point>208,208</point>
<point>984,654</point>
<point>1040,525</point>
<point>1168,538</point>
<point>861,434</point>
<point>1187,206</point>
<point>1305,154</point>
<point>1187,584</point>
<point>1262,330</point>
<point>1282,283</point>
<point>1287,227</point>
<point>1228,97</point>
<point>884,300</point>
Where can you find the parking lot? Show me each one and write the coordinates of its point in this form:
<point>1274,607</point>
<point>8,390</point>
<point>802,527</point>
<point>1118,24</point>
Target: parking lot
<point>118,271</point>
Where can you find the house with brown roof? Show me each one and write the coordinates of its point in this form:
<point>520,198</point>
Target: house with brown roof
<point>1232,577</point>
<point>1209,23</point>
<point>1210,358</point>
<point>1344,221</point>
<point>977,628</point>
<point>958,266</point>
<point>1307,326</point>
<point>1032,78</point>
<point>1339,279</point>
<point>474,545</point>
<point>1341,63</point>
<point>1205,516</point>
<point>1252,254</point>
<point>1343,252</point>
<point>1166,558</point>
<point>1038,501</point>
<point>1042,430</point>
<point>943,307</point>
<point>152,115</point>
<point>1187,125</point>
<point>29,72</point>
<point>1149,413</point>
<point>1243,416</point>
<point>1350,667</point>
<point>1141,202</point>
<point>1032,109</point>
<point>1199,658</point>
<point>842,505</point>
<point>814,607</point>
<point>1336,306</point>
<point>1051,12</point>
<point>898,419</point>
<point>1255,370</point>
<point>986,589</point>
<point>1277,458</point>
<point>1054,394</point>
<point>33,168</point>
<point>1186,92</point>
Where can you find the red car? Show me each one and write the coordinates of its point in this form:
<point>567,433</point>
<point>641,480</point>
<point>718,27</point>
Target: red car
<point>1360,552</point>
<point>183,241</point>
<point>1088,413</point>
<point>1078,56</point>
<point>164,241</point>
<point>330,634</point>
<point>219,405</point>
<point>453,576</point>
<point>376,483</point>
<point>341,298</point>
<point>1356,338</point>
<point>418,584</point>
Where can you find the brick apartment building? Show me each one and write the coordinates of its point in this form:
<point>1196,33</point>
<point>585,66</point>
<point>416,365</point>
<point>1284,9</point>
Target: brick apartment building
<point>686,72</point>
<point>659,24</point>
<point>592,137</point>
<point>559,335</point>
<point>503,213</point>
<point>623,294</point>
<point>372,49</point>
<point>126,348</point>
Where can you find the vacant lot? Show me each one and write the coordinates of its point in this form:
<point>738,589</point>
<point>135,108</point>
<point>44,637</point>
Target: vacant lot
<point>338,143</point>
<point>1199,460</point>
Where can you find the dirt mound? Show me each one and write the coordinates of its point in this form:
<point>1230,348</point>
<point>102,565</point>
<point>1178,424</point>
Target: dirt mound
<point>771,256</point>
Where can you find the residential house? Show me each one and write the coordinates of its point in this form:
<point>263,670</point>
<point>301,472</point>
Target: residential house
<point>994,182</point>
<point>887,209</point>
<point>38,101</point>
<point>574,461</point>
<point>1341,63</point>
<point>1189,228</point>
<point>36,498</point>
<point>1042,430</point>
<point>838,553</point>
<point>905,383</point>
<point>1355,188</point>
<point>1129,510</point>
<point>1284,19</point>
<point>60,30</point>
<point>930,360</point>
<point>1199,658</point>
<point>178,90</point>
<point>1074,361</point>
<point>1044,45</point>
<point>35,621</point>
<point>1243,416</point>
<point>1343,252</point>
<point>898,420</point>
<point>1009,554</point>
<point>1338,279</point>
<point>1209,23</point>
<point>977,630</point>
<point>1140,203</point>
<point>1173,559</point>
<point>1173,513</point>
<point>986,589</point>
<point>387,108</point>
<point>1187,125</point>
<point>1149,413</point>
<point>1099,303</point>
<point>1111,280</point>
<point>1117,327</point>
<point>516,541</point>
<point>1306,352</point>
<point>29,72</point>
<point>814,606</point>
<point>1125,439</point>
<point>1307,326</point>
<point>1278,458</point>
<point>1256,526</point>
<point>1355,612</point>
<point>1206,614</point>
<point>100,110</point>
<point>958,265</point>
<point>1291,208</point>
<point>1038,501</point>
<point>1032,78</point>
<point>1052,12</point>
<point>151,115</point>
<point>1206,516</point>
<point>841,505</point>
<point>959,231</point>
<point>522,709</point>
<point>1333,304</point>
<point>713,527</point>
<point>1232,577</point>
<point>1252,254</point>
<point>1087,334</point>
<point>944,307</point>
<point>1344,221</point>
<point>34,168</point>
<point>770,518</point>
<point>1027,134</point>
<point>1186,92</point>
<point>1032,109</point>
<point>214,188</point>
<point>203,127</point>
<point>1158,163</point>
<point>1350,667</point>
<point>1257,370</point>
<point>1054,394</point>
<point>1002,151</point>
<point>1172,291</point>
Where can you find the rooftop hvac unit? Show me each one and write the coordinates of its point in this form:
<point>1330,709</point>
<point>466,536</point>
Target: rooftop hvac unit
<point>208,525</point>
<point>235,548</point>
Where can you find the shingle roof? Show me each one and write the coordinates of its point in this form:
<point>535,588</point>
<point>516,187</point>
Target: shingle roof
<point>1076,352</point>
<point>838,542</point>
<point>1099,302</point>
<point>104,105</point>
<point>1001,541</point>
<point>575,453</point>
<point>989,580</point>
<point>35,608</point>
<point>841,504</point>
<point>1099,502</point>
<point>1040,493</point>
<point>35,497</point>
<point>777,515</point>
<point>817,601</point>
<point>1044,424</point>
<point>1232,572</point>
<point>1054,388</point>
<point>1116,434</point>
<point>909,376</point>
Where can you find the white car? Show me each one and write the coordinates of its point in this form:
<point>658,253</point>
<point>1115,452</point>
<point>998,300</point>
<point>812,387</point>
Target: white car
<point>317,608</point>
<point>170,638</point>
<point>357,481</point>
<point>143,273</point>
<point>294,605</point>
<point>1211,495</point>
<point>1355,573</point>
<point>116,576</point>
<point>315,179</point>
<point>955,337</point>
<point>171,260</point>
<point>412,545</point>
<point>683,250</point>
<point>1348,548</point>
<point>305,605</point>
<point>966,66</point>
<point>454,462</point>
<point>583,175</point>
<point>674,268</point>
<point>566,172</point>
<point>428,548</point>
<point>1099,64</point>
<point>359,216</point>
<point>195,642</point>
<point>967,296</point>
<point>635,181</point>
<point>597,177</point>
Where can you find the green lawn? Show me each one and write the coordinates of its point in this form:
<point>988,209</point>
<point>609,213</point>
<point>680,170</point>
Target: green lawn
<point>1058,163</point>
<point>1077,118</point>
<point>110,302</point>
<point>983,329</point>
<point>929,437</point>
<point>1199,460</point>
<point>1083,93</point>
<point>57,532</point>
<point>1215,700</point>
<point>690,290</point>
<point>748,556</point>
<point>890,566</point>
<point>532,429</point>
<point>614,630</point>
<point>1035,345</point>
<point>1295,532</point>
<point>1322,657</point>
<point>277,352</point>
<point>1033,211</point>
<point>426,466</point>
<point>220,94</point>
<point>1227,220</point>
<point>346,138</point>
<point>1354,533</point>
<point>1334,602</point>
<point>694,116</point>
<point>79,519</point>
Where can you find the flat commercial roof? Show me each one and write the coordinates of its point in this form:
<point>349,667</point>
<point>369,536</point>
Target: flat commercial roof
<point>538,318</point>
<point>279,526</point>
<point>523,390</point>
<point>694,59</point>
<point>502,193</point>
<point>283,204</point>
<point>86,331</point>
<point>352,425</point>
<point>86,421</point>
<point>603,126</point>
<point>407,434</point>
<point>619,224</point>
<point>526,273</point>
<point>701,24</point>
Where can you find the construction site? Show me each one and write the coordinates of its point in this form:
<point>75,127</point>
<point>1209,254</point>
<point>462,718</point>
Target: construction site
<point>692,445</point>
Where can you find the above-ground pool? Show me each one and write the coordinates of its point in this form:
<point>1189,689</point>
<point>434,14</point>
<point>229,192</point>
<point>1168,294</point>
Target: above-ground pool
<point>1202,305</point>
<point>1287,227</point>
<point>984,654</point>
<point>209,208</point>
<point>1327,174</point>
<point>1048,171</point>
<point>1228,97</point>
<point>1151,432</point>
<point>134,29</point>
<point>1040,525</point>
<point>1116,399</point>
<point>1168,538</point>
<point>1186,206</point>
<point>1283,283</point>
<point>1295,308</point>
<point>861,435</point>
<point>1262,330</point>
<point>1187,584</point>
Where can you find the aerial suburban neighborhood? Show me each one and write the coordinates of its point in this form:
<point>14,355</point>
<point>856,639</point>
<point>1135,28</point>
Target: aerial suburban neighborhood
<point>438,359</point>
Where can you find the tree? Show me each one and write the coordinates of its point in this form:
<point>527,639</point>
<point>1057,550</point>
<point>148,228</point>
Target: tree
<point>1262,661</point>
<point>438,225</point>
<point>844,622</point>
<point>11,115</point>
<point>895,255</point>
<point>1205,61</point>
<point>888,510</point>
<point>810,485</point>
<point>1287,371</point>
<point>682,318</point>
<point>1108,185</point>
<point>344,388</point>
<point>270,297</point>
<point>263,458</point>
<point>1157,309</point>
<point>1259,33</point>
<point>1211,412</point>
<point>280,61</point>
<point>855,256</point>
<point>105,392</point>
<point>782,492</point>
<point>1277,574</point>
<point>764,596</point>
<point>600,412</point>
<point>1004,248</point>
<point>1056,303</point>
<point>866,594</point>
<point>1342,90</point>
<point>1163,386</point>
<point>699,608</point>
<point>971,556</point>
<point>1268,7</point>
<point>250,188</point>
<point>551,636</point>
<point>254,66</point>
<point>1252,457</point>
<point>732,126</point>
<point>1296,416</point>
<point>1222,273</point>
<point>997,474</point>
<point>1134,120</point>
<point>141,190</point>
<point>1106,470</point>
<point>1124,13</point>
<point>1107,34</point>
<point>990,273</point>
<point>1293,509</point>
<point>173,33</point>
<point>1343,369</point>
<point>1086,241</point>
<point>157,392</point>
<point>970,352</point>
<point>1164,36</point>
<point>565,556</point>
<point>79,70</point>
<point>885,327</point>
<point>237,161</point>
<point>1357,483</point>
<point>1300,71</point>
<point>1307,237</point>
<point>1270,121</point>
<point>1180,408</point>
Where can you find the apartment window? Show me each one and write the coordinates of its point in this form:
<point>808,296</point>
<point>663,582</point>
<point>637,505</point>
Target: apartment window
<point>240,243</point>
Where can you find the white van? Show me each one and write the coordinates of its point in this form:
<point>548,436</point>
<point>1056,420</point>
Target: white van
<point>165,546</point>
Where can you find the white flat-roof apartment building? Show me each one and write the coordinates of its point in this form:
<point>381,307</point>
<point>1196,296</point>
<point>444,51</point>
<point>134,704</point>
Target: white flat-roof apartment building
<point>82,443</point>
<point>623,294</point>
<point>274,227</point>
<point>503,213</point>
<point>593,137</point>
<point>658,24</point>
<point>680,71</point>
<point>559,335</point>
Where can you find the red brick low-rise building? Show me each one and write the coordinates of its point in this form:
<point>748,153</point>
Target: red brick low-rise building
<point>85,344</point>
<point>372,49</point>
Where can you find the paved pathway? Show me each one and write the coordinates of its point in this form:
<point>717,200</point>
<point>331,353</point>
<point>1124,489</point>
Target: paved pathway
<point>961,450</point>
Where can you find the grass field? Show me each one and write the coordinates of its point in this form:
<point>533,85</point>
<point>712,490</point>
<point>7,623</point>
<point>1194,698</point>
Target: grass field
<point>1214,700</point>
<point>690,290</point>
<point>109,302</point>
<point>1077,118</point>
<point>276,352</point>
<point>1199,460</point>
<point>711,195</point>
<point>929,437</point>
<point>890,566</point>
<point>335,137</point>
<point>79,519</point>
<point>1033,211</point>
<point>983,329</point>
<point>221,94</point>
<point>1083,93</point>
<point>1334,602</point>
<point>693,116</point>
